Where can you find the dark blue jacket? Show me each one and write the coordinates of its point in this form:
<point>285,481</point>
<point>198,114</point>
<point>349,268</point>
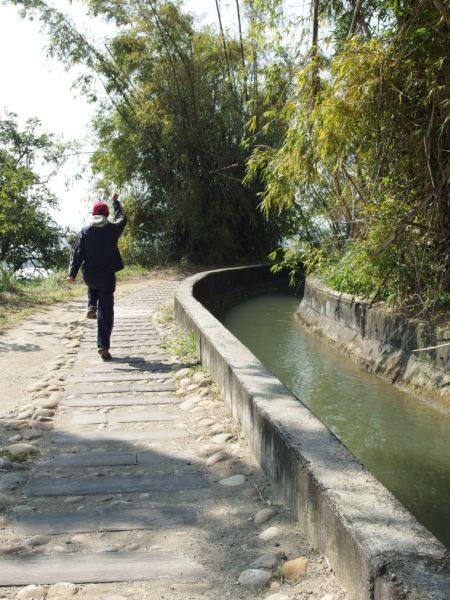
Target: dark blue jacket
<point>96,251</point>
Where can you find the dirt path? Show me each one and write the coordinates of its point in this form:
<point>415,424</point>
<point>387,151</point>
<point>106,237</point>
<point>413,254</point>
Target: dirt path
<point>135,484</point>
<point>24,349</point>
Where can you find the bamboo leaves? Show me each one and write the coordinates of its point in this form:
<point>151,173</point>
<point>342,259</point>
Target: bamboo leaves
<point>364,169</point>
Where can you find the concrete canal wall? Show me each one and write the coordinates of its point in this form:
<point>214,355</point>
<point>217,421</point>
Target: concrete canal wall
<point>381,342</point>
<point>377,548</point>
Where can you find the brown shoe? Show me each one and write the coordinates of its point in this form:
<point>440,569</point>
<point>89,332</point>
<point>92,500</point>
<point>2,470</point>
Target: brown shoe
<point>91,313</point>
<point>104,353</point>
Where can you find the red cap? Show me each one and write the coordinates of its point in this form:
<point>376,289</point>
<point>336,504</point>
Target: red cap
<point>100,208</point>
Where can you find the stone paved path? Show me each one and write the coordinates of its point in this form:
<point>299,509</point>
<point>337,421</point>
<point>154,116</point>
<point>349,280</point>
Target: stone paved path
<point>139,480</point>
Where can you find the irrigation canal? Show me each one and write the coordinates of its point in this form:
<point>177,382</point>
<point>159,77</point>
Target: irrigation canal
<point>403,441</point>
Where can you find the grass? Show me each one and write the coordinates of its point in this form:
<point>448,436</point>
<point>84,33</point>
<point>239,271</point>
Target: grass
<point>7,278</point>
<point>184,345</point>
<point>164,314</point>
<point>132,271</point>
<point>20,298</point>
<point>18,458</point>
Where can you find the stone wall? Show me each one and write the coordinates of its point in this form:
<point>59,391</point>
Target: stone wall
<point>377,548</point>
<point>219,294</point>
<point>381,342</point>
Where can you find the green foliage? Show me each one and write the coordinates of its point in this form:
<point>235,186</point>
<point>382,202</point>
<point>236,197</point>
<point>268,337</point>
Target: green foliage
<point>297,257</point>
<point>184,345</point>
<point>169,132</point>
<point>344,143</point>
<point>132,270</point>
<point>363,169</point>
<point>8,279</point>
<point>17,458</point>
<point>25,295</point>
<point>28,235</point>
<point>179,148</point>
<point>46,284</point>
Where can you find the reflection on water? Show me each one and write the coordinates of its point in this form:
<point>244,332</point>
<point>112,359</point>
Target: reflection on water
<point>403,442</point>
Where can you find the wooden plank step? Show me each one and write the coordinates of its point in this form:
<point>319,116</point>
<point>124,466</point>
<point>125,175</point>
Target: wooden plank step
<point>127,333</point>
<point>111,459</point>
<point>175,456</point>
<point>107,373</point>
<point>131,327</point>
<point>101,567</point>
<point>126,359</point>
<point>141,416</point>
<point>56,523</point>
<point>95,437</point>
<point>129,369</point>
<point>89,419</point>
<point>93,459</point>
<point>136,416</point>
<point>143,354</point>
<point>121,401</point>
<point>148,518</point>
<point>138,376</point>
<point>128,519</point>
<point>115,484</point>
<point>125,339</point>
<point>153,387</point>
<point>124,320</point>
<point>121,345</point>
<point>76,390</point>
<point>146,347</point>
<point>155,367</point>
<point>140,317</point>
<point>118,389</point>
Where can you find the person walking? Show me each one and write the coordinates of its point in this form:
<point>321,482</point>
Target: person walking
<point>96,252</point>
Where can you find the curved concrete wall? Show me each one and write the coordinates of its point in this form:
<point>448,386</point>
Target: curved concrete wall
<point>377,548</point>
<point>381,342</point>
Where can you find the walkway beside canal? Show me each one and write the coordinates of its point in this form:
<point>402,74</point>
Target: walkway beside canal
<point>137,484</point>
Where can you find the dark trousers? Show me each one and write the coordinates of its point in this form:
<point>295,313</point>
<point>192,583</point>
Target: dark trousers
<point>102,298</point>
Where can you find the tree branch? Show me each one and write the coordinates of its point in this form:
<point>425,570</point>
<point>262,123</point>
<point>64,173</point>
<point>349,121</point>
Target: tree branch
<point>431,347</point>
<point>443,10</point>
<point>407,220</point>
<point>355,18</point>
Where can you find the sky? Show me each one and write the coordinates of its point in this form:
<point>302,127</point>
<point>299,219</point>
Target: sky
<point>33,85</point>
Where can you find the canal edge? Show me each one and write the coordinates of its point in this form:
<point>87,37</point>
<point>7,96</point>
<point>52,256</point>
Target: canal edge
<point>378,550</point>
<point>409,353</point>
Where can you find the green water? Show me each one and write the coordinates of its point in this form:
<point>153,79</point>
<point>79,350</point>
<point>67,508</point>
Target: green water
<point>401,440</point>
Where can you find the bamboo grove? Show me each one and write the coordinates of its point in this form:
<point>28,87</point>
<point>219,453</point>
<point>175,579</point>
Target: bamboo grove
<point>362,169</point>
<point>322,136</point>
<point>172,111</point>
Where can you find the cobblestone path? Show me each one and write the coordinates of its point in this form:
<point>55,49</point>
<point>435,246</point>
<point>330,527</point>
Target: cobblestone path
<point>141,486</point>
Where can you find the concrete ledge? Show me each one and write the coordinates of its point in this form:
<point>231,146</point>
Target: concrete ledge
<point>377,548</point>
<point>381,342</point>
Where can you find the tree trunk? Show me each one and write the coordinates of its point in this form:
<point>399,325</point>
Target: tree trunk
<point>355,18</point>
<point>224,44</point>
<point>314,49</point>
<point>242,50</point>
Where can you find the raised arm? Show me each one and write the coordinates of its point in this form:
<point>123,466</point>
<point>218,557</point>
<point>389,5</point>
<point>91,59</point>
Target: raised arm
<point>120,218</point>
